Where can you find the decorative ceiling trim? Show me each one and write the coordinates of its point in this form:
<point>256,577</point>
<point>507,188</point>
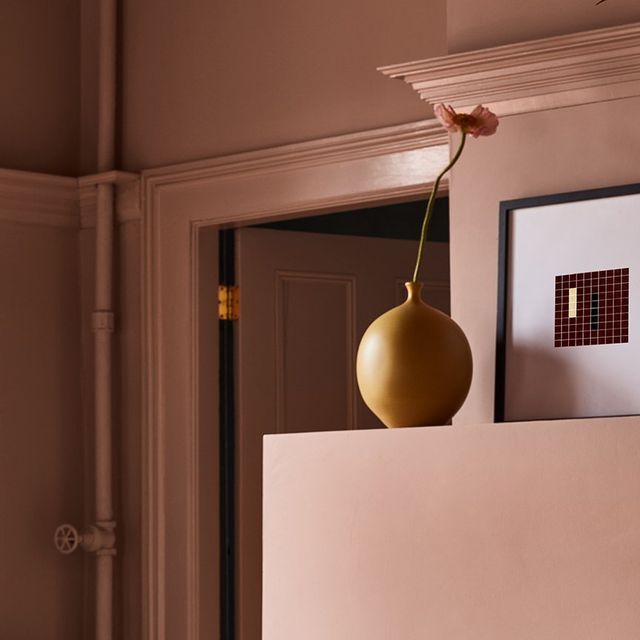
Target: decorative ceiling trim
<point>36,198</point>
<point>57,201</point>
<point>581,68</point>
<point>332,150</point>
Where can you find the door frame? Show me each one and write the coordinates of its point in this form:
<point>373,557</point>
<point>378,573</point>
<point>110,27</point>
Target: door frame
<point>182,207</point>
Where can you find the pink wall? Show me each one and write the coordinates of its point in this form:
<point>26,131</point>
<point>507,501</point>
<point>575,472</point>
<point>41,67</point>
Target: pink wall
<point>472,25</point>
<point>204,79</point>
<point>533,154</point>
<point>41,462</point>
<point>524,531</point>
<point>39,67</point>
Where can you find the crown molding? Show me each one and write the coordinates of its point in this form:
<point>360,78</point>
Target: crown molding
<point>57,201</point>
<point>40,199</point>
<point>332,150</point>
<point>581,68</point>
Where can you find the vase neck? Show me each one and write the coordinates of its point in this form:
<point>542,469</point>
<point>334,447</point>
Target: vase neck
<point>414,290</point>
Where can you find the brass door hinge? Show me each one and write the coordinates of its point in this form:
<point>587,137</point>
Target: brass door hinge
<point>228,302</point>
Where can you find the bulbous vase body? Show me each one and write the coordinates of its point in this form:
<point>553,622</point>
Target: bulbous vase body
<point>414,364</point>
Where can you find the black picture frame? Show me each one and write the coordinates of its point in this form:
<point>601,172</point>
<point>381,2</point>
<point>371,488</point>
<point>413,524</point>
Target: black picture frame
<point>506,211</point>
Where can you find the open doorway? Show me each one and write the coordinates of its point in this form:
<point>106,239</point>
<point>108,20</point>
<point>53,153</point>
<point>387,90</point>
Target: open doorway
<point>309,287</point>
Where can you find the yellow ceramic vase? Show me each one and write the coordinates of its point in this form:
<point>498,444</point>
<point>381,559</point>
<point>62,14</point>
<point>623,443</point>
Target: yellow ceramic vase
<point>414,364</point>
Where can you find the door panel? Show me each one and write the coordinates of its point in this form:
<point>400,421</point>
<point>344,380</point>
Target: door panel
<point>315,332</point>
<point>306,299</point>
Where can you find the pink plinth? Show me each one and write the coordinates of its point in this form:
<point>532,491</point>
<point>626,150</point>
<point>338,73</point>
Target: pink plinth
<point>526,531</point>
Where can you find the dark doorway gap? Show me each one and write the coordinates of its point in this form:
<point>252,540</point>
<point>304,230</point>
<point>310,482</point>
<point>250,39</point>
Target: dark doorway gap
<point>226,265</point>
<point>397,221</point>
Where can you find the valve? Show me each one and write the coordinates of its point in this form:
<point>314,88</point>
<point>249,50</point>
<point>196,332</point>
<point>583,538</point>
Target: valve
<point>96,538</point>
<point>66,538</point>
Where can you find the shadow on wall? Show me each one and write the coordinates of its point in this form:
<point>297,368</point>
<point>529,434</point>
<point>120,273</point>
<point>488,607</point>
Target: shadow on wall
<point>528,396</point>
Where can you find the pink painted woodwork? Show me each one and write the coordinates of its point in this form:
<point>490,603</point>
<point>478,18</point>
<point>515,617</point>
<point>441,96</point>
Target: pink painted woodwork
<point>538,75</point>
<point>488,532</point>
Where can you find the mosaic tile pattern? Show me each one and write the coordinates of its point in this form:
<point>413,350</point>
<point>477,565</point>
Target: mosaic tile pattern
<point>592,308</point>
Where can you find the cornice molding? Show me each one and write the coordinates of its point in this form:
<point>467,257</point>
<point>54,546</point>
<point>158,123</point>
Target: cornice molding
<point>581,68</point>
<point>57,201</point>
<point>40,199</point>
<point>336,149</point>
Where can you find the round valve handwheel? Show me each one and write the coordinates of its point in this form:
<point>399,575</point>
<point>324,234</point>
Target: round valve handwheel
<point>66,538</point>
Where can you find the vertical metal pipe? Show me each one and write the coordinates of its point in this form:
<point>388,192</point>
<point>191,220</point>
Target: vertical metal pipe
<point>104,595</point>
<point>103,316</point>
<point>107,55</point>
<point>100,538</point>
<point>103,327</point>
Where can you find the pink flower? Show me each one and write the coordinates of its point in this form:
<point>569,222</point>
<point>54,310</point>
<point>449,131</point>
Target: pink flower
<point>480,122</point>
<point>447,116</point>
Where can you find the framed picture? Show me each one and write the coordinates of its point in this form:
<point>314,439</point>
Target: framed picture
<point>568,338</point>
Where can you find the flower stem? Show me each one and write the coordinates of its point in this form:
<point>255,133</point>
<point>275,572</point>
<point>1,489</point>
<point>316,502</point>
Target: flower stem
<point>431,203</point>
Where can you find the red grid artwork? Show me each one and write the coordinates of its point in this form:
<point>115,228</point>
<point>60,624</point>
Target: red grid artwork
<point>592,308</point>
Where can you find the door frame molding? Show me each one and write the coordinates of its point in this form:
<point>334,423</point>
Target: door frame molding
<point>381,166</point>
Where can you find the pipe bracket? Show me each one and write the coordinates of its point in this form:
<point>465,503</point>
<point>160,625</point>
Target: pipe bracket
<point>102,321</point>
